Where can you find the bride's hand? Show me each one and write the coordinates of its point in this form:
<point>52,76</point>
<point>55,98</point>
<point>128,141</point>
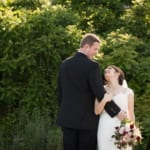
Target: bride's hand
<point>108,97</point>
<point>122,115</point>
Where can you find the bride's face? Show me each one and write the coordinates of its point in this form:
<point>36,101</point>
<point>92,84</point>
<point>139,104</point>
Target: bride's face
<point>110,74</point>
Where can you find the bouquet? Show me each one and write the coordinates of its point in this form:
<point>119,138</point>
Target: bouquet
<point>127,134</point>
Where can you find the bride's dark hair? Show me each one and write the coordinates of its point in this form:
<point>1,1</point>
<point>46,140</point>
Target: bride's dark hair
<point>121,76</point>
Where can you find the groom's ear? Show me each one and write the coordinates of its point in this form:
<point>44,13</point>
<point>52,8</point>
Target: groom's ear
<point>86,46</point>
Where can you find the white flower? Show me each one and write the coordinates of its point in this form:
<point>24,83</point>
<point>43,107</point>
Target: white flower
<point>121,130</point>
<point>137,132</point>
<point>127,127</point>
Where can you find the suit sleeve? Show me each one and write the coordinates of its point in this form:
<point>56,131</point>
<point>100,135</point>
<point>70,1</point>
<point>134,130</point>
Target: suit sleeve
<point>96,83</point>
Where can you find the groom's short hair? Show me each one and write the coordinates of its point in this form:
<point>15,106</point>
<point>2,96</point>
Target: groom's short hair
<point>89,38</point>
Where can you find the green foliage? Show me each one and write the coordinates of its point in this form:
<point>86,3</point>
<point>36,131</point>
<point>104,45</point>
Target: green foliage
<point>137,18</point>
<point>36,35</point>
<point>142,112</point>
<point>34,132</point>
<point>27,4</point>
<point>97,16</point>
<point>96,21</point>
<point>32,46</point>
<point>121,46</point>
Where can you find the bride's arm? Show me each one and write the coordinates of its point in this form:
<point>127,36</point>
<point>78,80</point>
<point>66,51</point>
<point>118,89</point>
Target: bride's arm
<point>99,106</point>
<point>131,107</point>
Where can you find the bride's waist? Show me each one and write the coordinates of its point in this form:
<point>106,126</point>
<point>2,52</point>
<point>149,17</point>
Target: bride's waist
<point>106,115</point>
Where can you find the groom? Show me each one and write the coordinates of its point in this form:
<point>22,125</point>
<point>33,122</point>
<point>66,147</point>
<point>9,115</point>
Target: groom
<point>79,83</point>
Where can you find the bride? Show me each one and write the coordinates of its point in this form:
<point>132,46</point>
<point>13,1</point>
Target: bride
<point>123,97</point>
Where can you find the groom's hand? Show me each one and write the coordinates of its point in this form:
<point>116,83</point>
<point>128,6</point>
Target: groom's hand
<point>122,115</point>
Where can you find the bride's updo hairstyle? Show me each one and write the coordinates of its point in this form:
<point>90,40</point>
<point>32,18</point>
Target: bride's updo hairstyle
<point>121,76</point>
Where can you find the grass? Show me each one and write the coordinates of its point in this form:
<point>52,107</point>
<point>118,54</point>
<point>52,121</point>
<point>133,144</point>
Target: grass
<point>34,132</point>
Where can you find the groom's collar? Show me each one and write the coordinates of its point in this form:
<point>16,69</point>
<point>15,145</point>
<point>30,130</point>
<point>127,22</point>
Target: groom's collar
<point>80,53</point>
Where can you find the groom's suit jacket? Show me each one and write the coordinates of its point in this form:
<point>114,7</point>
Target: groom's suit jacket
<point>79,83</point>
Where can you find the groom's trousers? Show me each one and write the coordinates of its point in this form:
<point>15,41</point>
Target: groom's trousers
<point>74,139</point>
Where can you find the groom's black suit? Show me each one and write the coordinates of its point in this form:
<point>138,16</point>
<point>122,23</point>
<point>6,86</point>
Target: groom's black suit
<point>78,84</point>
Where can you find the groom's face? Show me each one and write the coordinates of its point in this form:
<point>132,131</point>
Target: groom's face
<point>93,50</point>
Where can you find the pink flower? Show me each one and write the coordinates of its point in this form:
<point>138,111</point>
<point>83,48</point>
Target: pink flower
<point>121,130</point>
<point>127,127</point>
<point>126,134</point>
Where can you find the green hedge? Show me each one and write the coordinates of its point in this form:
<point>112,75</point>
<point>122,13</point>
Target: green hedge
<point>33,43</point>
<point>36,37</point>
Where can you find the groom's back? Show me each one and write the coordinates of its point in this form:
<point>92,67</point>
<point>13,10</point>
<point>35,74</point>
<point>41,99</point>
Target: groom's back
<point>77,100</point>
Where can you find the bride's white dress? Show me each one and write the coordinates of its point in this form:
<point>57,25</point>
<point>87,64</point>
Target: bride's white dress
<point>107,124</point>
